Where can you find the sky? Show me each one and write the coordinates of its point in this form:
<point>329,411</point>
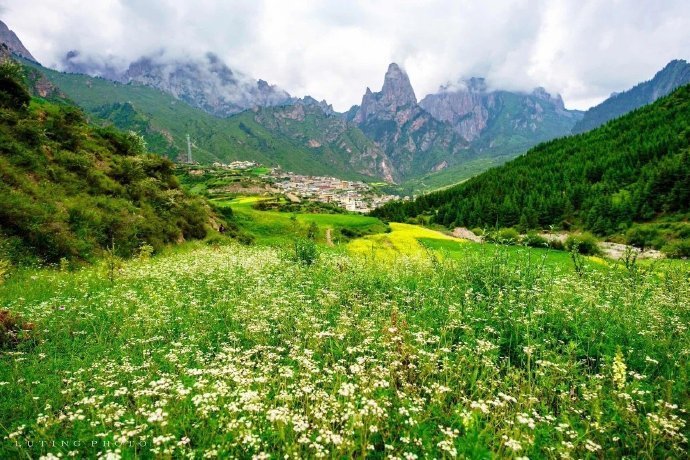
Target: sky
<point>335,49</point>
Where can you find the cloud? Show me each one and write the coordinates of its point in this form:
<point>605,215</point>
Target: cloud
<point>333,50</point>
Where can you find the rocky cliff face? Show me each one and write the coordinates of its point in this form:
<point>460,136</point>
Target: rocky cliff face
<point>395,97</point>
<point>500,122</point>
<point>206,82</point>
<point>414,141</point>
<point>466,121</point>
<point>675,74</point>
<point>313,124</point>
<point>467,109</point>
<point>13,43</point>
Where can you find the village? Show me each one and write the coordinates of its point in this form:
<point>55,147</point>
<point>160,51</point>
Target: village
<point>354,196</point>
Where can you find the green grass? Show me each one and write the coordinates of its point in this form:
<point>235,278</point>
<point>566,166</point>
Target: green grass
<point>272,227</point>
<point>236,351</point>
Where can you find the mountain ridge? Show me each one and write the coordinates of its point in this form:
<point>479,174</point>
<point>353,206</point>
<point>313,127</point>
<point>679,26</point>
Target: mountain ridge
<point>675,74</point>
<point>204,82</point>
<point>13,42</point>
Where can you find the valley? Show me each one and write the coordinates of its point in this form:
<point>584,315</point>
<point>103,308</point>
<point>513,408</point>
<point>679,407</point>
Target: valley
<point>195,263</point>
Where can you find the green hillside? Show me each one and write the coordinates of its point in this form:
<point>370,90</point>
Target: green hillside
<point>633,170</point>
<point>70,190</point>
<point>165,121</point>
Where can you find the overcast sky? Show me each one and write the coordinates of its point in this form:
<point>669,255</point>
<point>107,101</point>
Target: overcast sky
<point>333,50</point>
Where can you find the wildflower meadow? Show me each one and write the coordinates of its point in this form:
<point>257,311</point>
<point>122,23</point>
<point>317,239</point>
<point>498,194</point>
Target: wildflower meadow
<point>244,352</point>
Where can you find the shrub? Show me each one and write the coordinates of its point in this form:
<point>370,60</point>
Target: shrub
<point>583,243</point>
<point>97,187</point>
<point>508,236</point>
<point>305,251</point>
<point>477,231</point>
<point>642,236</point>
<point>245,239</point>
<point>677,249</point>
<point>14,94</point>
<point>312,231</point>
<point>535,241</point>
<point>145,251</point>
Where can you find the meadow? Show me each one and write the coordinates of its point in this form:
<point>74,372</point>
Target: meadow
<point>279,228</point>
<point>230,351</point>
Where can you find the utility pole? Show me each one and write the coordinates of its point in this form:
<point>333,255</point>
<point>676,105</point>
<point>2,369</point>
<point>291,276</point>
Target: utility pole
<point>189,149</point>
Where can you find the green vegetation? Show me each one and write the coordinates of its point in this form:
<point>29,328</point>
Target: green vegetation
<point>69,190</point>
<point>633,170</point>
<point>449,176</point>
<point>236,351</point>
<point>511,130</point>
<point>275,227</point>
<point>583,243</point>
<point>212,182</point>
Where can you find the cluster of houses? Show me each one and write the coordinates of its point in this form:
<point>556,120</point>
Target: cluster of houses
<point>239,165</point>
<point>355,196</point>
<point>351,195</point>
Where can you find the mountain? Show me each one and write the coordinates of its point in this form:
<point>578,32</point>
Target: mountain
<point>634,169</point>
<point>500,123</point>
<point>314,125</point>
<point>15,45</point>
<point>675,74</point>
<point>414,141</point>
<point>71,190</point>
<point>204,82</point>
<point>306,137</point>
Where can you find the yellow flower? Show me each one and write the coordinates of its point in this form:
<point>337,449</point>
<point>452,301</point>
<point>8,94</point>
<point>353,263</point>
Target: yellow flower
<point>619,369</point>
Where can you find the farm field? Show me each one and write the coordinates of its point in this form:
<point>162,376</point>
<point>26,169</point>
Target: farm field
<point>273,227</point>
<point>238,352</point>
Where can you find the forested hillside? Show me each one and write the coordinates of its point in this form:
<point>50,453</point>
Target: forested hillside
<point>634,169</point>
<point>70,190</point>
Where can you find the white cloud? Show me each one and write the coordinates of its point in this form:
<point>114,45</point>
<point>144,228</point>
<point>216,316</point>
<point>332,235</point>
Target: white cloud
<point>333,49</point>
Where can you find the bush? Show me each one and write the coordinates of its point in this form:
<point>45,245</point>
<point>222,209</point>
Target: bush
<point>69,190</point>
<point>477,231</point>
<point>508,236</point>
<point>677,249</point>
<point>642,237</point>
<point>535,241</point>
<point>583,243</point>
<point>305,251</point>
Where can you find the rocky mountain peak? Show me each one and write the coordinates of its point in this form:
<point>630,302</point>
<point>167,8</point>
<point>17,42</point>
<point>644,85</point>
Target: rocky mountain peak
<point>323,105</point>
<point>541,93</point>
<point>397,90</point>
<point>13,43</point>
